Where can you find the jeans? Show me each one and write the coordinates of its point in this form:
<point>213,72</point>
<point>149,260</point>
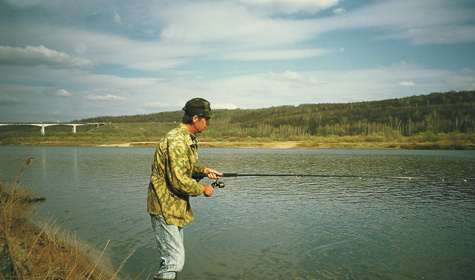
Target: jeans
<point>170,245</point>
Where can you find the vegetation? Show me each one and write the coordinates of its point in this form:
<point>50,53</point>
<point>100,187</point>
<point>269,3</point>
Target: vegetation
<point>437,120</point>
<point>26,252</point>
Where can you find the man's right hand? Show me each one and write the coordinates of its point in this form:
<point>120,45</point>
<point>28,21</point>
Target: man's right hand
<point>208,190</point>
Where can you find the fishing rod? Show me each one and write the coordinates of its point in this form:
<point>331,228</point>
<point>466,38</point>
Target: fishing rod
<point>199,176</point>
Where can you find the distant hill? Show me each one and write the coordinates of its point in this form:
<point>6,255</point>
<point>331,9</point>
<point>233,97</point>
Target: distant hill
<point>436,112</point>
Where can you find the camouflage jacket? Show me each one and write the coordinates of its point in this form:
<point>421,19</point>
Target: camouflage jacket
<point>171,184</point>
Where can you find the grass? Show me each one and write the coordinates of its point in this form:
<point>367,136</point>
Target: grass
<point>147,135</point>
<point>28,252</point>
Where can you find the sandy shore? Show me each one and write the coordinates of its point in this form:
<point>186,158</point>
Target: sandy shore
<point>311,144</point>
<point>269,145</point>
<point>265,145</point>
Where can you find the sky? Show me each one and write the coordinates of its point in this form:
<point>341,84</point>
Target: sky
<point>64,60</point>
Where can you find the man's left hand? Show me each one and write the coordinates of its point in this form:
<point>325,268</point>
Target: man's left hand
<point>213,173</point>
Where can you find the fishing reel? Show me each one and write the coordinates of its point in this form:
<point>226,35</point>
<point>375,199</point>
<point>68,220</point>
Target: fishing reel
<point>218,184</point>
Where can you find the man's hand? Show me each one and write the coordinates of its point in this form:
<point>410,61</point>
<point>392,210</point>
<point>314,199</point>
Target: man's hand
<point>208,190</point>
<point>213,173</point>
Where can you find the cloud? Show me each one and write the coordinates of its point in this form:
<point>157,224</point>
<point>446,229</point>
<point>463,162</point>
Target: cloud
<point>105,97</point>
<point>330,86</point>
<point>242,33</point>
<point>442,22</point>
<point>157,64</point>
<point>292,6</point>
<point>238,27</point>
<point>339,10</point>
<point>248,54</point>
<point>32,56</point>
<point>7,99</point>
<point>117,18</point>
<point>228,106</point>
<point>63,92</point>
<point>157,105</point>
<point>463,80</point>
<point>261,55</point>
<point>437,35</point>
<point>296,78</point>
<point>407,84</point>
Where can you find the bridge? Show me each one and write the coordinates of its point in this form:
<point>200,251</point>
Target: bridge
<point>44,125</point>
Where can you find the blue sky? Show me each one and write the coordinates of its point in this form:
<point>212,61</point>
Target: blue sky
<point>65,60</point>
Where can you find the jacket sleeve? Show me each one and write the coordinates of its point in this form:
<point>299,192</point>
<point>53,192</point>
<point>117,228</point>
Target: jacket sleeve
<point>199,169</point>
<point>180,168</point>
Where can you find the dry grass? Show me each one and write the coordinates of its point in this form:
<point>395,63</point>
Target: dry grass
<point>28,252</point>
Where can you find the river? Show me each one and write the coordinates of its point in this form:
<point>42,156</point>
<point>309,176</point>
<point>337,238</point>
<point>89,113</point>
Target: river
<point>371,227</point>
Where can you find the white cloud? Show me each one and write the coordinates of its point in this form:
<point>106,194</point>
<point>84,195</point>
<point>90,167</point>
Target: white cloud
<point>440,22</point>
<point>107,48</point>
<point>242,34</point>
<point>157,105</point>
<point>157,64</point>
<point>289,75</point>
<point>105,97</point>
<point>295,77</point>
<point>117,18</point>
<point>407,84</point>
<point>237,27</point>
<point>462,80</point>
<point>41,55</point>
<point>228,106</point>
<point>259,90</point>
<point>234,53</point>
<point>298,87</point>
<point>292,6</point>
<point>63,92</point>
<point>261,55</point>
<point>437,35</point>
<point>339,10</point>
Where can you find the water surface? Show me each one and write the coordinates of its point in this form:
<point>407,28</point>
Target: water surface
<point>272,227</point>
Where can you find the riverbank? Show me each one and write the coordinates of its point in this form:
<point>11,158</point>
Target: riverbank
<point>147,137</point>
<point>423,141</point>
<point>30,252</point>
<point>392,145</point>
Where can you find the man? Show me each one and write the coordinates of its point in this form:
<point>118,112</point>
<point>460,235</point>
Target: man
<point>171,185</point>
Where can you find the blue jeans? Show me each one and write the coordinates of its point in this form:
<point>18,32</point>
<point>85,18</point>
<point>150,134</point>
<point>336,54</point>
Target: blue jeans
<point>170,245</point>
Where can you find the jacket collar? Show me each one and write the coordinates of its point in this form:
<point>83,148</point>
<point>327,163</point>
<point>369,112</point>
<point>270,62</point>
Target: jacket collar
<point>190,138</point>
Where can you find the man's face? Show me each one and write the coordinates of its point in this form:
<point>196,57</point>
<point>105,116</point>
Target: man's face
<point>200,124</point>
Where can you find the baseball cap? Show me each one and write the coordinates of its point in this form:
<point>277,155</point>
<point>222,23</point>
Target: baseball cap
<point>198,106</point>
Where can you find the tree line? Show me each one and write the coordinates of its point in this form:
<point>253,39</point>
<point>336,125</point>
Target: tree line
<point>436,113</point>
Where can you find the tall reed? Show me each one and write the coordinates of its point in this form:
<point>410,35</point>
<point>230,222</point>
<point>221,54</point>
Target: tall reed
<point>28,252</point>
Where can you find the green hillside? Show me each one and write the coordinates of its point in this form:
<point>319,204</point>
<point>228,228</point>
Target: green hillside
<point>436,112</point>
<point>433,121</point>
